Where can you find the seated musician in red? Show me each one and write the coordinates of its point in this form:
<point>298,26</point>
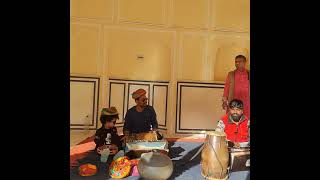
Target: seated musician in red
<point>235,124</point>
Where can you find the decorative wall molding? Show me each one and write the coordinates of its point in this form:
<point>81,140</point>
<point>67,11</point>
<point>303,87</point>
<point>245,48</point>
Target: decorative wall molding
<point>166,102</point>
<point>173,24</point>
<point>97,52</point>
<point>126,20</point>
<point>95,82</point>
<point>123,99</point>
<point>108,19</point>
<point>190,124</point>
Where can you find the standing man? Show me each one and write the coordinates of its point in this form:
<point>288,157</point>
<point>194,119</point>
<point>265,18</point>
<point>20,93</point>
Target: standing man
<point>237,86</point>
<point>140,118</point>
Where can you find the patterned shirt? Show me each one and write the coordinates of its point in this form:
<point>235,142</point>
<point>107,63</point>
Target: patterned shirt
<point>105,136</point>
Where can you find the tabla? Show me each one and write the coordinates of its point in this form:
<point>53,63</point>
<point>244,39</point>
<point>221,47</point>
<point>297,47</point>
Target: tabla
<point>215,156</point>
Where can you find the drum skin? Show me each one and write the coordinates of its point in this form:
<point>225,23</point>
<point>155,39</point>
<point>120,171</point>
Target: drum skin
<point>215,157</point>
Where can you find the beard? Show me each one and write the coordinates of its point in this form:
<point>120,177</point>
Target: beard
<point>236,117</point>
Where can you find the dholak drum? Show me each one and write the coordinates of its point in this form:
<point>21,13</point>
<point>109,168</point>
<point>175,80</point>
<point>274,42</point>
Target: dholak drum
<point>215,156</point>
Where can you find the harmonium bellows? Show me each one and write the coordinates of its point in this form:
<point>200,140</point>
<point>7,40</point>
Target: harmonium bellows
<point>145,142</point>
<point>149,136</point>
<point>147,145</point>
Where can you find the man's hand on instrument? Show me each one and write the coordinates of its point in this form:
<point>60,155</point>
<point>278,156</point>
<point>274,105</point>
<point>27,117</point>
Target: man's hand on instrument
<point>126,136</point>
<point>125,139</point>
<point>236,145</point>
<point>230,144</point>
<point>126,133</point>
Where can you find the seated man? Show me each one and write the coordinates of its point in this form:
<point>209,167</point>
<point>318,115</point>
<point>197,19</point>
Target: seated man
<point>235,124</point>
<point>141,118</point>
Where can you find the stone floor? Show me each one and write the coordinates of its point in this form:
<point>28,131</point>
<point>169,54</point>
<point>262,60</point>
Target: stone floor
<point>76,136</point>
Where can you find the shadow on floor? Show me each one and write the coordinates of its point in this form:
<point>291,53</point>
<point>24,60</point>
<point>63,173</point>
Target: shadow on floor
<point>179,152</point>
<point>183,164</point>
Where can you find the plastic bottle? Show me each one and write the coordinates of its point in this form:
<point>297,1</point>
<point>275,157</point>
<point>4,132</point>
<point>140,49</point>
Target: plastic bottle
<point>104,155</point>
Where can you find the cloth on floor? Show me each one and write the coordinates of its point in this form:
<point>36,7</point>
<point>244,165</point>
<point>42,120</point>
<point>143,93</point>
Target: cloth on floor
<point>179,152</point>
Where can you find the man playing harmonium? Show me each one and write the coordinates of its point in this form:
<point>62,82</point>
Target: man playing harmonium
<point>141,118</point>
<point>140,128</point>
<point>235,124</point>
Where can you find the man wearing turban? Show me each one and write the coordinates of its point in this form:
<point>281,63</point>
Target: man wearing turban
<point>140,118</point>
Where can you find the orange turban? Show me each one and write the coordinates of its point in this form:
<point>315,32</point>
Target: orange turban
<point>138,93</point>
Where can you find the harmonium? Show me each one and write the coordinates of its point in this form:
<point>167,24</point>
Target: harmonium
<point>137,144</point>
<point>239,159</point>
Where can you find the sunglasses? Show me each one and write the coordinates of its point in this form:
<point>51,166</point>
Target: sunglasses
<point>145,100</point>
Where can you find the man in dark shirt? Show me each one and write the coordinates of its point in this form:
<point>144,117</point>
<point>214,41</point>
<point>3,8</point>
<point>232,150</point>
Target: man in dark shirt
<point>141,118</point>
